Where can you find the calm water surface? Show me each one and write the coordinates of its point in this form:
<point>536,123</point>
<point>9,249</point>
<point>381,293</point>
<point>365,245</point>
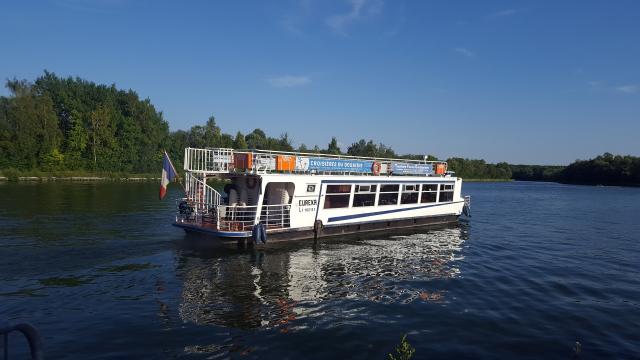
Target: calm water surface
<point>98,269</point>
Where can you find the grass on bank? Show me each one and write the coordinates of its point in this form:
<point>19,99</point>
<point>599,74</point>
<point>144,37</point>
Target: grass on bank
<point>15,175</point>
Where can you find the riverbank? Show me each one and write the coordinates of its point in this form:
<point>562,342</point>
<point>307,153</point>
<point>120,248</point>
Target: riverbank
<point>76,178</point>
<point>79,176</point>
<point>487,180</point>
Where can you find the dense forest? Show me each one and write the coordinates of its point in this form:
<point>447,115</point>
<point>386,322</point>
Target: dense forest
<point>56,124</point>
<point>536,172</point>
<point>68,124</point>
<point>606,169</point>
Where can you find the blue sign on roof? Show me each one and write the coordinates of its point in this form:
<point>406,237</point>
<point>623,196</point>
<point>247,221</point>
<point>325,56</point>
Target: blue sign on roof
<point>411,168</point>
<point>340,165</point>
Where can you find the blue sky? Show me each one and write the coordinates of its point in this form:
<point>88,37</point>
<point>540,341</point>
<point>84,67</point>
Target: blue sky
<point>542,82</point>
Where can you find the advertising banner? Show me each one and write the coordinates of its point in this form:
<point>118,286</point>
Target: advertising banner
<point>411,168</point>
<point>338,165</point>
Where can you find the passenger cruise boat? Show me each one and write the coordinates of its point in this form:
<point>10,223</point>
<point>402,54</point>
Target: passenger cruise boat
<point>292,195</point>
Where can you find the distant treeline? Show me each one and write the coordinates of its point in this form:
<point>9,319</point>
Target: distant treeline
<point>606,169</point>
<point>536,172</point>
<point>69,124</point>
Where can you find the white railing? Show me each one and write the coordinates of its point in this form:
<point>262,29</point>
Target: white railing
<point>236,218</point>
<point>243,218</point>
<point>208,160</point>
<point>233,218</point>
<point>221,160</point>
<point>200,194</point>
<point>276,216</point>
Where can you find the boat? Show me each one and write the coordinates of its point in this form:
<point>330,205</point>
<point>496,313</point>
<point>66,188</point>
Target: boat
<point>278,195</point>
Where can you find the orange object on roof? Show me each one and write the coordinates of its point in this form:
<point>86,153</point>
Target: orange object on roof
<point>441,169</point>
<point>243,160</point>
<point>285,162</point>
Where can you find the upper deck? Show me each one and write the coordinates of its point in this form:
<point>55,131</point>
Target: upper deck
<point>215,161</point>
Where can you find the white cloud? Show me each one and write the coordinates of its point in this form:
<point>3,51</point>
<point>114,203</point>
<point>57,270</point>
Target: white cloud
<point>360,9</point>
<point>465,52</point>
<point>628,89</point>
<point>504,13</point>
<point>287,81</point>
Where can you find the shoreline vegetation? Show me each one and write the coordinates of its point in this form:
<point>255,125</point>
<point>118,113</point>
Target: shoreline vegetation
<point>71,129</point>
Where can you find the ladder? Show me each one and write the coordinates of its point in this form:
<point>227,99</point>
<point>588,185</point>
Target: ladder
<point>203,196</point>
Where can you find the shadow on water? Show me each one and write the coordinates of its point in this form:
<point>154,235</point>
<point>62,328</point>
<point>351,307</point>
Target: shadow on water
<point>272,286</point>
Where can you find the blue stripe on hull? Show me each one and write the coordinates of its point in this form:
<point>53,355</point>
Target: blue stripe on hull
<point>357,216</point>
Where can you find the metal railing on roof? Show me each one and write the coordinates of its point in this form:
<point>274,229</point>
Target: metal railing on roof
<point>223,160</point>
<point>337,156</point>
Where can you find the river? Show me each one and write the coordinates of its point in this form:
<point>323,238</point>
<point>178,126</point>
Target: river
<point>101,273</point>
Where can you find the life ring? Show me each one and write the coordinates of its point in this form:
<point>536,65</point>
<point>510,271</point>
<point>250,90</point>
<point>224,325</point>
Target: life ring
<point>251,184</point>
<point>375,168</point>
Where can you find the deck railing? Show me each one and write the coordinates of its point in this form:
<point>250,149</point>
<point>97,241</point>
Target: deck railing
<point>233,217</point>
<point>243,218</point>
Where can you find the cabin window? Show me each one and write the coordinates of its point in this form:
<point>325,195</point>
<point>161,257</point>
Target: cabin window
<point>410,194</point>
<point>446,192</point>
<point>337,196</point>
<point>365,195</point>
<point>429,193</point>
<point>389,194</point>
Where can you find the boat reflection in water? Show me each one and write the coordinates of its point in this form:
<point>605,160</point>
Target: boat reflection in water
<point>273,287</point>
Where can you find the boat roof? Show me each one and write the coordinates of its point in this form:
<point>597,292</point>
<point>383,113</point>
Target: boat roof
<point>219,161</point>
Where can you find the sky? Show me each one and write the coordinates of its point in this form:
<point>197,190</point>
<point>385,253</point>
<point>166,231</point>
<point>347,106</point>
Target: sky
<point>532,82</point>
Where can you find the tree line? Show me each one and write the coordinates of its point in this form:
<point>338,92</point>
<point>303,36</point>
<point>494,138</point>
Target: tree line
<point>606,169</point>
<point>68,124</point>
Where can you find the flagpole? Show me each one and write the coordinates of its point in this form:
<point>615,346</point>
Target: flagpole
<point>175,171</point>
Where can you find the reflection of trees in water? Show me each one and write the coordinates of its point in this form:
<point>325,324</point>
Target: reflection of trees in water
<point>232,290</point>
<point>383,270</point>
<point>263,288</point>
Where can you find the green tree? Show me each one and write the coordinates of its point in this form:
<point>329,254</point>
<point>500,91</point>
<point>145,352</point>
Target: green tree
<point>256,139</point>
<point>76,141</point>
<point>212,133</point>
<point>101,135</point>
<point>333,147</point>
<point>31,125</point>
<point>239,141</point>
<point>370,149</point>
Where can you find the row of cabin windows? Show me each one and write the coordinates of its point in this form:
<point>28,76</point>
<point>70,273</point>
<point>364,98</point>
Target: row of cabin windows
<point>337,196</point>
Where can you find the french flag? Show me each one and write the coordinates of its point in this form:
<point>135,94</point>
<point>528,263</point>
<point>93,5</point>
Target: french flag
<point>168,174</point>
